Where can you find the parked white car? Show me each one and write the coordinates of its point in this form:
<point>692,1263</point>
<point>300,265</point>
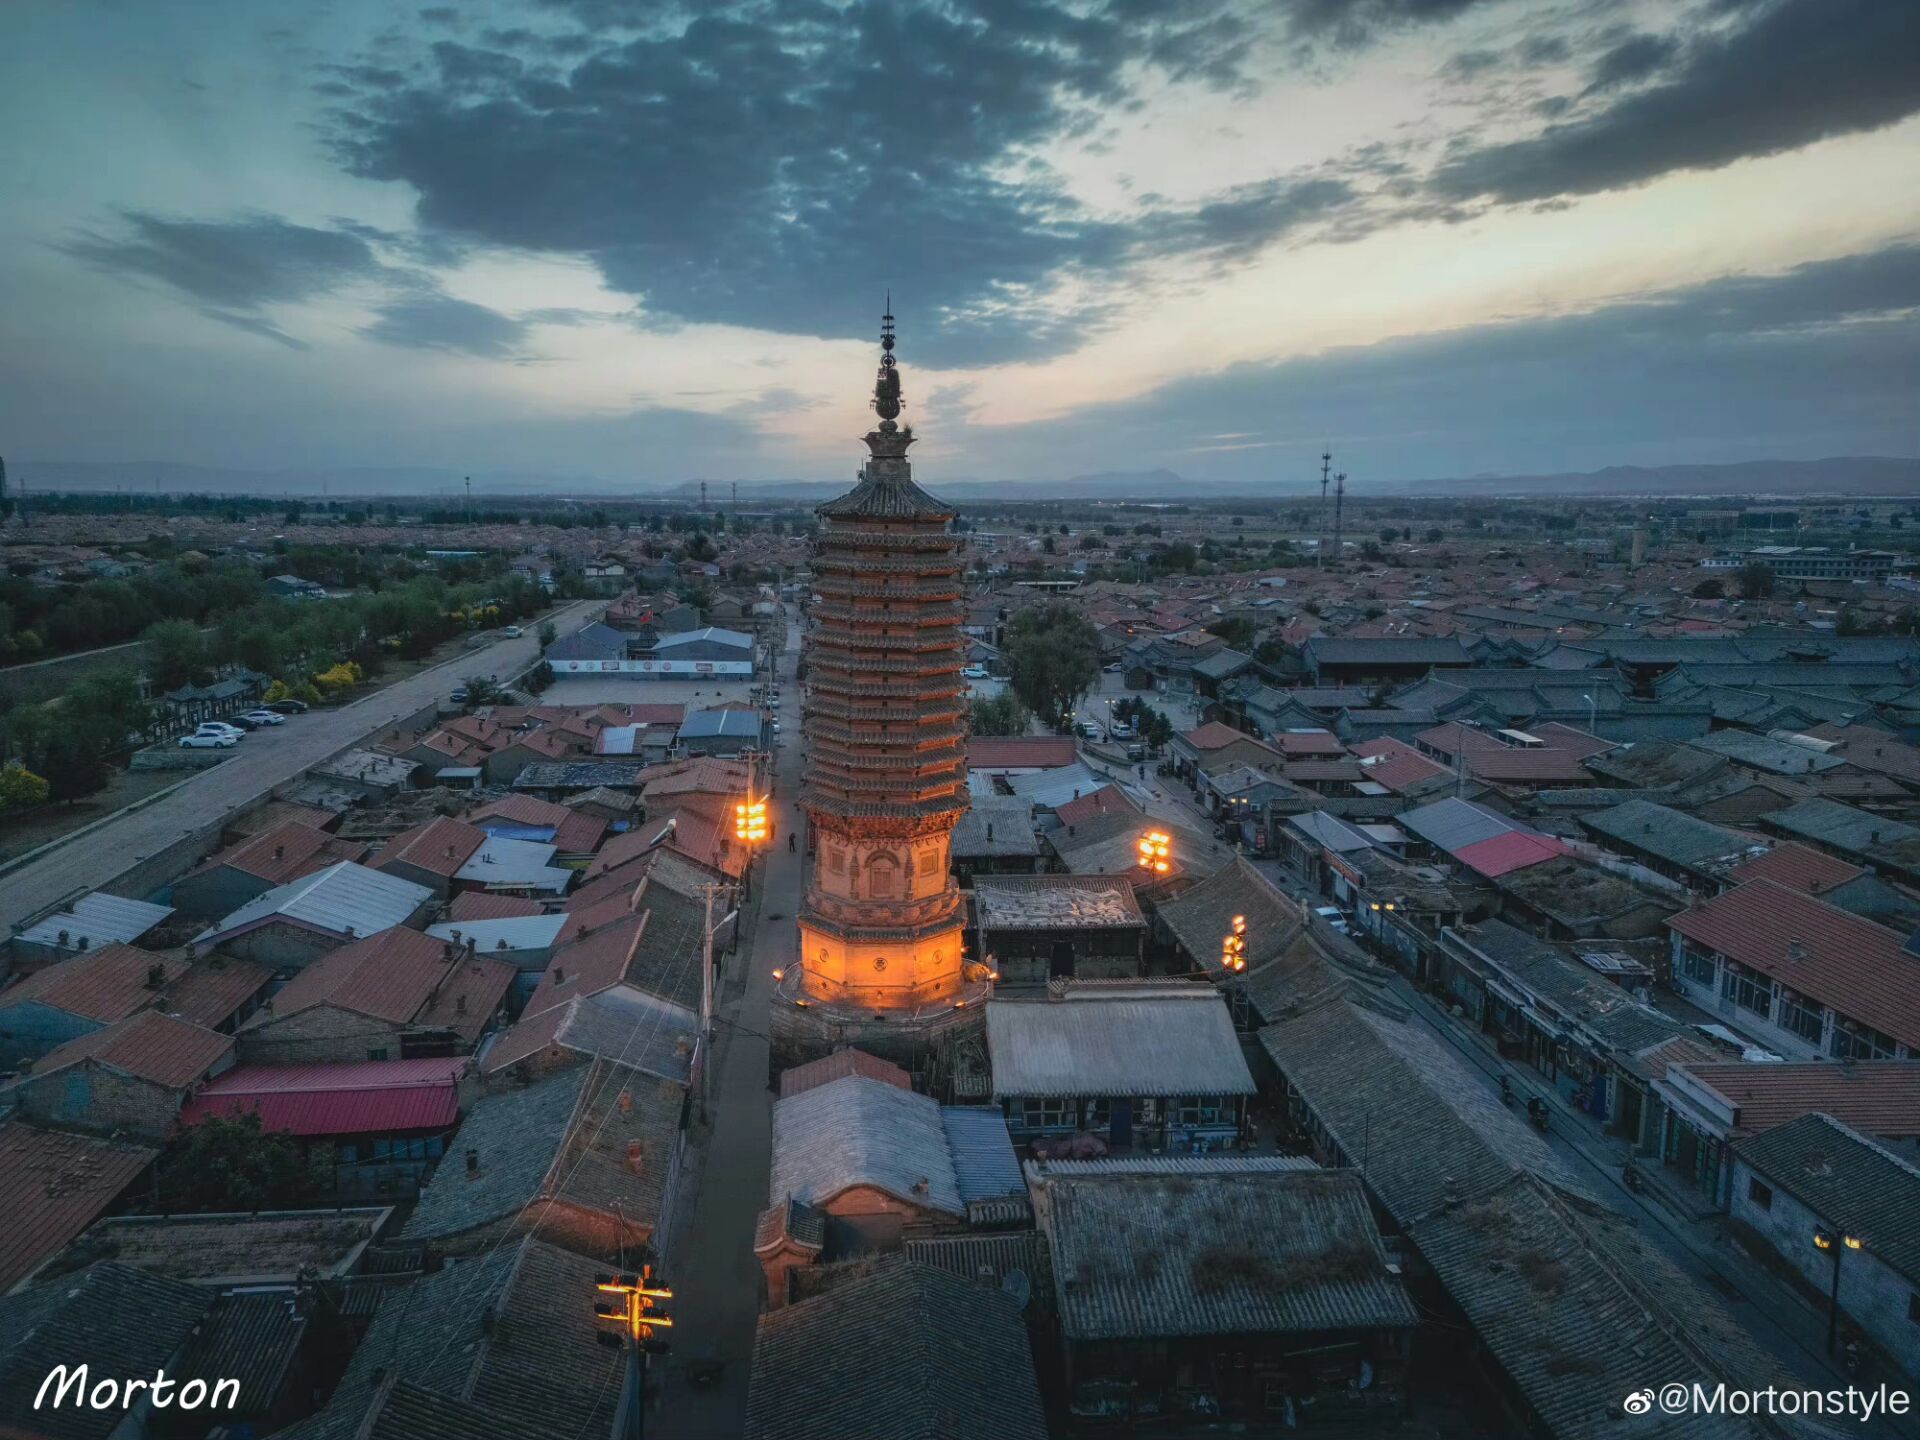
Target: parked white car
<point>220,727</point>
<point>975,672</point>
<point>207,740</point>
<point>264,717</point>
<point>1334,918</point>
<point>512,632</point>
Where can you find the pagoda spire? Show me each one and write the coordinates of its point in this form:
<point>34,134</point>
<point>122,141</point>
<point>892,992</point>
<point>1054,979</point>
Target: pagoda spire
<point>886,387</point>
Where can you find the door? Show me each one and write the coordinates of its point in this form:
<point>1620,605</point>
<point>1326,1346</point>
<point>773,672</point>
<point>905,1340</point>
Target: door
<point>1060,963</point>
<point>1120,1126</point>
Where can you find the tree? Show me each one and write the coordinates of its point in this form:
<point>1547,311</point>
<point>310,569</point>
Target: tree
<point>1756,580</point>
<point>1709,589</point>
<point>1436,535</point>
<point>1236,630</point>
<point>1002,714</point>
<point>1053,657</point>
<point>547,633</point>
<point>1047,544</point>
<point>176,653</point>
<point>21,788</point>
<point>483,690</point>
<point>1389,535</point>
<point>229,1163</point>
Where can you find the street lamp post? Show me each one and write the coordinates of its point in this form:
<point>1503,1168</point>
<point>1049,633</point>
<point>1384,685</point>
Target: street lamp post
<point>1833,1242</point>
<point>1155,849</point>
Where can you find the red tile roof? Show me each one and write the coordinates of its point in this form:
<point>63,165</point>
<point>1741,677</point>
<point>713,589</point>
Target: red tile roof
<point>479,905</point>
<point>522,810</point>
<point>1503,854</point>
<point>590,965</point>
<point>149,1046</point>
<point>1299,744</point>
<point>210,992</point>
<point>52,1186</point>
<point>278,812</point>
<point>438,847</point>
<point>107,984</point>
<point>1213,735</point>
<point>1452,737</point>
<point>1849,964</point>
<point>838,1066</point>
<point>1560,736</point>
<point>1021,752</point>
<point>1397,765</point>
<point>285,852</point>
<point>1881,1097</point>
<point>1107,800</point>
<point>1798,867</point>
<point>373,1098</point>
<point>399,976</point>
<point>1524,764</point>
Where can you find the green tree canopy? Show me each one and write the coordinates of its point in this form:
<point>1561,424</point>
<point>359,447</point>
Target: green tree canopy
<point>1002,714</point>
<point>1053,658</point>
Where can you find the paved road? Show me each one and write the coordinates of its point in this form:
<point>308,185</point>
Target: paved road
<point>715,1277</point>
<point>266,758</point>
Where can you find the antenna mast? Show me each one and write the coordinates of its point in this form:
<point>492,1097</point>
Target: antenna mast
<point>1320,550</point>
<point>1339,498</point>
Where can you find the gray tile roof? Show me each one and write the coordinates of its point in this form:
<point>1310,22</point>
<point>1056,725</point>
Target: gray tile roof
<point>1200,917</point>
<point>1137,1256</point>
<point>1564,987</point>
<point>1849,1181</point>
<point>908,1352</point>
<point>516,1133</point>
<point>984,1165</point>
<point>1157,1040</point>
<point>1873,838</point>
<point>250,1337</point>
<point>1580,1312</point>
<point>1452,824</point>
<point>858,1131</point>
<point>1671,835</point>
<point>114,1319</point>
<point>1010,817</point>
<point>510,1334</point>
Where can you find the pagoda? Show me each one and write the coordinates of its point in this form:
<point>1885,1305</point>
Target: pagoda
<point>886,726</point>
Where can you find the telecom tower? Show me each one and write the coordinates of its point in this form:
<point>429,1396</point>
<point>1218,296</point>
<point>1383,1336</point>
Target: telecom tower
<point>1326,474</point>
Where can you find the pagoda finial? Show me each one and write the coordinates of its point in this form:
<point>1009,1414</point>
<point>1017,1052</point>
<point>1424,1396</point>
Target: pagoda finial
<point>886,388</point>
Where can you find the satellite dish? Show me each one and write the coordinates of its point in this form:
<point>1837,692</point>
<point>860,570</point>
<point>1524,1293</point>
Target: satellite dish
<point>1016,1284</point>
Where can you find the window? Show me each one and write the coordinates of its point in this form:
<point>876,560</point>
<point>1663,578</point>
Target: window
<point>379,1054</point>
<point>1696,966</point>
<point>1860,1042</point>
<point>1201,1110</point>
<point>1049,1112</point>
<point>837,860</point>
<point>1805,1018</point>
<point>1760,1194</point>
<point>1748,989</point>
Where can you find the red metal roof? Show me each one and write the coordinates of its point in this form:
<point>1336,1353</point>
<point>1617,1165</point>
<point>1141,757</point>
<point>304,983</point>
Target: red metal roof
<point>286,852</point>
<point>1798,867</point>
<point>1852,965</point>
<point>1503,854</point>
<point>149,1046</point>
<point>372,1098</point>
<point>52,1186</point>
<point>522,810</point>
<point>1881,1097</point>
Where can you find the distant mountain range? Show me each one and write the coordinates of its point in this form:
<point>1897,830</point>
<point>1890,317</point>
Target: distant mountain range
<point>1867,475</point>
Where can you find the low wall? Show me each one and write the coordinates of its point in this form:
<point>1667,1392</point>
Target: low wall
<point>173,757</point>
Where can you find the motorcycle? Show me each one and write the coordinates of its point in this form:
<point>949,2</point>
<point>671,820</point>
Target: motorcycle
<point>1506,1092</point>
<point>1630,1176</point>
<point>1537,1114</point>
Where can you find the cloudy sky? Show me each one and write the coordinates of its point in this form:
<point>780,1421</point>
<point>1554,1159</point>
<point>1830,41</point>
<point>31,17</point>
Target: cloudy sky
<point>648,242</point>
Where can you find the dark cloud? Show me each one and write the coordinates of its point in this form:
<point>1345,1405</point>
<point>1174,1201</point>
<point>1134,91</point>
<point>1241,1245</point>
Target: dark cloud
<point>776,163</point>
<point>1633,59</point>
<point>432,321</point>
<point>1823,359</point>
<point>233,265</point>
<point>1799,72</point>
<point>1356,22</point>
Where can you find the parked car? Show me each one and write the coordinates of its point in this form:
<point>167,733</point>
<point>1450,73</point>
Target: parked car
<point>220,727</point>
<point>1334,918</point>
<point>262,717</point>
<point>512,632</point>
<point>1122,730</point>
<point>459,697</point>
<point>975,672</point>
<point>208,741</point>
<point>1114,669</point>
<point>286,707</point>
<point>1089,731</point>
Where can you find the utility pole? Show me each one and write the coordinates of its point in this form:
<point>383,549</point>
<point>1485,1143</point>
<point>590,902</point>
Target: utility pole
<point>633,1312</point>
<point>469,499</point>
<point>1326,468</point>
<point>1339,499</point>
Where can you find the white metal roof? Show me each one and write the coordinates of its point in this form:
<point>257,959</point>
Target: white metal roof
<point>1115,1042</point>
<point>513,932</point>
<point>711,632</point>
<point>342,898</point>
<point>504,863</point>
<point>95,920</point>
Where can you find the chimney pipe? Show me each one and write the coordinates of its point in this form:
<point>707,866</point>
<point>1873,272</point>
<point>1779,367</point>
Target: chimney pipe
<point>473,1163</point>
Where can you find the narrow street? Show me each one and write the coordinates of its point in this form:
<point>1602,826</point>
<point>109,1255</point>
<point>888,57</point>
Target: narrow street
<point>700,1391</point>
<point>1780,1318</point>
